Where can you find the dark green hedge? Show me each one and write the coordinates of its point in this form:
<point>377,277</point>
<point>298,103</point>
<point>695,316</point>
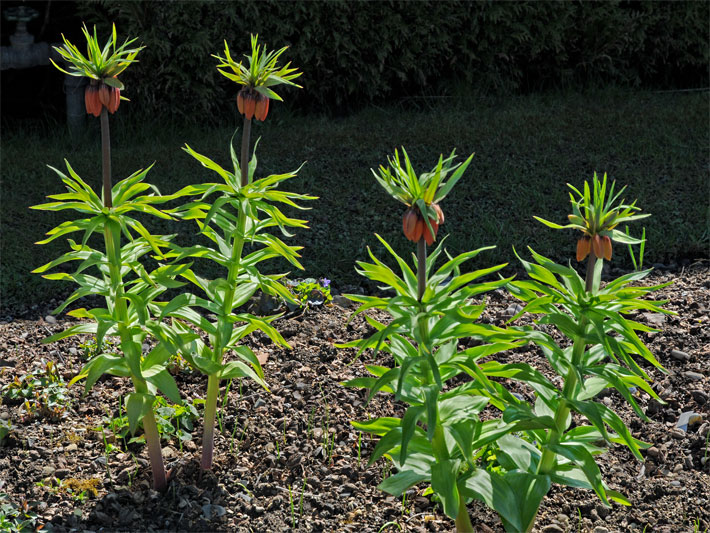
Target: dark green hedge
<point>364,52</point>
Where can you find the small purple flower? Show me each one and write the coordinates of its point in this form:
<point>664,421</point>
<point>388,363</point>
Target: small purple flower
<point>325,282</point>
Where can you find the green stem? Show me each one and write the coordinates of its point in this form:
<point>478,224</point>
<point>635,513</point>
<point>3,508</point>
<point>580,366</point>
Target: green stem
<point>590,282</point>
<point>246,133</point>
<point>547,462</point>
<point>117,303</point>
<point>220,343</point>
<point>463,521</point>
<point>106,158</point>
<point>152,440</point>
<point>421,268</point>
<point>210,414</point>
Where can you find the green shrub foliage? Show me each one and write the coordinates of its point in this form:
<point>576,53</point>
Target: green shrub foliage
<point>358,52</point>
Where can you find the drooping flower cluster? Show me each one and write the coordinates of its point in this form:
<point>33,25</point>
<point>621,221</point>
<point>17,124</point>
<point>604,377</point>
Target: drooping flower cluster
<point>416,228</point>
<point>99,95</point>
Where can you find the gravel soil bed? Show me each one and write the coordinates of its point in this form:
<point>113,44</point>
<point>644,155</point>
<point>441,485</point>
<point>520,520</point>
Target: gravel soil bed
<point>288,459</point>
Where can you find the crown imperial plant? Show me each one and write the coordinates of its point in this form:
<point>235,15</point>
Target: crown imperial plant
<point>235,215</point>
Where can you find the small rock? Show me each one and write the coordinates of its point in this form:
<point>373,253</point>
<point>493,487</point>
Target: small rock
<point>61,473</point>
<point>48,471</point>
<point>688,462</point>
<point>348,489</point>
<point>688,418</point>
<point>259,403</point>
<point>169,453</point>
<point>211,511</point>
<point>602,510</point>
<point>654,406</point>
<point>552,528</point>
<point>73,351</point>
<point>244,497</point>
<point>695,376</point>
<point>653,451</point>
<point>342,301</point>
<point>677,468</point>
<point>699,396</point>
<point>563,519</point>
<point>49,319</point>
<point>678,434</point>
<point>513,309</point>
<point>675,483</point>
<point>71,448</point>
<point>656,319</point>
<point>703,430</point>
<point>600,529</point>
<point>681,356</point>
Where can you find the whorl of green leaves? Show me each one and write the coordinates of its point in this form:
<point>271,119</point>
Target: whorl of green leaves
<point>597,211</point>
<point>98,64</point>
<point>262,71</point>
<point>402,183</point>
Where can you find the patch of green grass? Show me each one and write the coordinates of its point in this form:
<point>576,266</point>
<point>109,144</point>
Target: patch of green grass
<point>527,148</point>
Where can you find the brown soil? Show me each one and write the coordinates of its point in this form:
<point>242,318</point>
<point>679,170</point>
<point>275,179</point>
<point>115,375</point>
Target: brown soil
<point>289,459</point>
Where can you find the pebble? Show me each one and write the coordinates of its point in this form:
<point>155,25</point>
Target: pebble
<point>600,529</point>
<point>513,309</point>
<point>342,301</point>
<point>695,376</point>
<point>62,473</point>
<point>73,351</point>
<point>71,448</point>
<point>49,319</point>
<point>681,356</point>
<point>259,403</point>
<point>678,434</point>
<point>653,451</point>
<point>677,468</point>
<point>656,319</point>
<point>169,453</point>
<point>703,430</point>
<point>211,511</point>
<point>552,528</point>
<point>48,471</point>
<point>699,396</point>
